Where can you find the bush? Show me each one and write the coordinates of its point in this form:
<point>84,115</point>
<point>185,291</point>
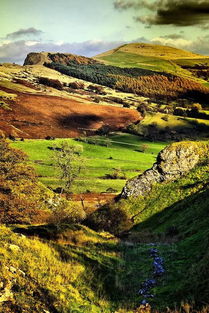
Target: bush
<point>21,196</point>
<point>116,174</point>
<point>142,109</point>
<point>64,212</point>
<point>113,220</point>
<point>54,83</point>
<point>103,130</point>
<point>97,89</point>
<point>76,85</point>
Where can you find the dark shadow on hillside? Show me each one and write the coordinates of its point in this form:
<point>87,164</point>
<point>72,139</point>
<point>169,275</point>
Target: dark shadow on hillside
<point>196,96</point>
<point>76,120</point>
<point>101,267</point>
<point>176,210</point>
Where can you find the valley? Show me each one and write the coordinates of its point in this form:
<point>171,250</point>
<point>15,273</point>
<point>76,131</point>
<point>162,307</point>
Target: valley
<point>104,182</point>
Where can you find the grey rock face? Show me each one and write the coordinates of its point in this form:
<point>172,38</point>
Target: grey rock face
<point>172,162</point>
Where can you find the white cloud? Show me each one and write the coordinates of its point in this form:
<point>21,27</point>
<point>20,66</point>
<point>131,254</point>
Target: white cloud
<point>18,50</point>
<point>180,43</point>
<point>199,45</point>
<point>30,43</point>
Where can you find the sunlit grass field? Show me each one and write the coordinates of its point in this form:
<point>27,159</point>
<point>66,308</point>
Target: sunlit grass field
<point>122,152</point>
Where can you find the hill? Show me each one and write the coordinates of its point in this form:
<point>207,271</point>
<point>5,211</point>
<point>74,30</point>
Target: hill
<point>28,94</point>
<point>39,58</point>
<point>166,211</point>
<point>153,57</point>
<point>153,50</point>
<point>68,267</point>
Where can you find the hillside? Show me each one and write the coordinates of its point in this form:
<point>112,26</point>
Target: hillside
<point>153,57</point>
<point>68,267</point>
<point>26,105</point>
<point>145,49</point>
<point>40,58</point>
<point>86,95</point>
<point>169,216</point>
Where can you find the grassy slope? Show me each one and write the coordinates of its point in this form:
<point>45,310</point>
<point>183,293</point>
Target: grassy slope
<point>125,59</point>
<point>175,216</point>
<point>69,275</point>
<point>153,57</point>
<point>83,271</point>
<point>163,52</point>
<point>97,161</point>
<point>176,123</point>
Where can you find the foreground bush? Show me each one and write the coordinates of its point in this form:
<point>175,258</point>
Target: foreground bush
<point>22,198</point>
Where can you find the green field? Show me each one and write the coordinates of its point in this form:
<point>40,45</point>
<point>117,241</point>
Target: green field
<point>99,160</point>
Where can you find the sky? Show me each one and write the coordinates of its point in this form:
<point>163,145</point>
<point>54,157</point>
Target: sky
<point>90,27</point>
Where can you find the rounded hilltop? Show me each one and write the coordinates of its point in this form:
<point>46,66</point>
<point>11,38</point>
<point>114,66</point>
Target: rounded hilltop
<point>159,51</point>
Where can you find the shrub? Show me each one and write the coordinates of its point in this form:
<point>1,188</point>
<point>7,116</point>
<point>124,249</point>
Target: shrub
<point>143,147</point>
<point>65,212</point>
<point>103,130</point>
<point>76,85</point>
<point>113,220</point>
<point>142,109</point>
<point>54,83</point>
<point>97,89</point>
<point>116,174</point>
<point>21,196</point>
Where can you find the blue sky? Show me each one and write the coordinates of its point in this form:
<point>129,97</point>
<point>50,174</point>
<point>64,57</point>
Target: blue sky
<point>93,26</point>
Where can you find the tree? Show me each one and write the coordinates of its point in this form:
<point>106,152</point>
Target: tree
<point>104,130</point>
<point>196,106</point>
<point>108,142</point>
<point>21,196</point>
<point>69,163</point>
<point>142,109</point>
<point>144,147</point>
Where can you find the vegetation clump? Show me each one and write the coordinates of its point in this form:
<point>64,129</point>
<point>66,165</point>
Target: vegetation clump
<point>22,197</point>
<point>54,83</point>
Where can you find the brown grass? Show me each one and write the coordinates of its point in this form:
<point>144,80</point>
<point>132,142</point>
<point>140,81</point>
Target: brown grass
<point>38,116</point>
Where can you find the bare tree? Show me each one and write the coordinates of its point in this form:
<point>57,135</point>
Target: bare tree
<point>69,162</point>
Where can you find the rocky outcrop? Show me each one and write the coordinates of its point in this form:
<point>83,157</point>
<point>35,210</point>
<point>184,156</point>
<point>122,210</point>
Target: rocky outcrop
<point>39,58</point>
<point>172,162</point>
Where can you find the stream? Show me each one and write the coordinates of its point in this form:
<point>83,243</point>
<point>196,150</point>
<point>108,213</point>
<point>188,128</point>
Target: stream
<point>158,271</point>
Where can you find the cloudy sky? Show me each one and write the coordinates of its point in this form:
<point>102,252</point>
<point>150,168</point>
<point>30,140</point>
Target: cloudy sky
<point>89,27</point>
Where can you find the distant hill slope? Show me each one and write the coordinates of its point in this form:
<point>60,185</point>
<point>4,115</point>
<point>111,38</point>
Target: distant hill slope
<point>151,50</point>
<point>153,57</point>
<point>38,116</point>
<point>30,109</point>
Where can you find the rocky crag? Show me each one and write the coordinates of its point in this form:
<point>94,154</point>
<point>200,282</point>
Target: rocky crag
<point>39,58</point>
<point>172,162</point>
